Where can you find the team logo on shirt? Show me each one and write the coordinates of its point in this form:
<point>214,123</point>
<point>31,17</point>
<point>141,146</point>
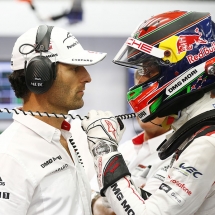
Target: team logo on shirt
<point>61,168</point>
<point>187,170</point>
<point>4,195</point>
<point>50,161</point>
<point>2,183</point>
<point>190,170</point>
<point>165,187</point>
<point>172,194</point>
<point>161,173</point>
<point>181,185</point>
<point>165,168</point>
<point>159,177</point>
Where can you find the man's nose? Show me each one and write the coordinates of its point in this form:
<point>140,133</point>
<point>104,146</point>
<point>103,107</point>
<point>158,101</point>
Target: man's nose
<point>85,76</point>
<point>143,79</point>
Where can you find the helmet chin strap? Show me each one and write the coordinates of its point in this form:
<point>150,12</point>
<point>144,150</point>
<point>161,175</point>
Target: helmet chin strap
<point>156,124</point>
<point>166,124</point>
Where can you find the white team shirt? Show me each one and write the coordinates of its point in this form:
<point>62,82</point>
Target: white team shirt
<point>80,138</point>
<point>37,175</point>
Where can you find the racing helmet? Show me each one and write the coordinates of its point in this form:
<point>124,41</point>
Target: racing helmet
<point>180,45</point>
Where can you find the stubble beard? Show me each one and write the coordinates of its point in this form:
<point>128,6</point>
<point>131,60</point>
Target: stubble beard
<point>77,104</point>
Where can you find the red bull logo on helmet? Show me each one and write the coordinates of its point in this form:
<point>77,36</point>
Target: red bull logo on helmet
<point>186,42</point>
<point>203,52</point>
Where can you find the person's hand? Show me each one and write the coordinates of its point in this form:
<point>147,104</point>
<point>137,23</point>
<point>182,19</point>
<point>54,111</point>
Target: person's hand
<point>142,186</point>
<point>104,132</point>
<point>101,206</point>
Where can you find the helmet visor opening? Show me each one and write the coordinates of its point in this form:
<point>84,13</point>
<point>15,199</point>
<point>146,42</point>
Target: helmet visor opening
<point>149,71</point>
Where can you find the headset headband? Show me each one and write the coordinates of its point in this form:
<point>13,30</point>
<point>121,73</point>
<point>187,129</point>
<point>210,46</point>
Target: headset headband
<point>43,38</point>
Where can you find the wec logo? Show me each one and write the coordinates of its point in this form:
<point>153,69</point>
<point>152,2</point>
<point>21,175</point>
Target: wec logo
<point>190,170</point>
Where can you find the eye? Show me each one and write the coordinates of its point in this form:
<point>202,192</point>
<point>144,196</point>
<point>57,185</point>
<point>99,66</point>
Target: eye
<point>75,68</point>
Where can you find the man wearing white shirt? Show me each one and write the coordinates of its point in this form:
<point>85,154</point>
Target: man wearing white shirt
<point>40,170</point>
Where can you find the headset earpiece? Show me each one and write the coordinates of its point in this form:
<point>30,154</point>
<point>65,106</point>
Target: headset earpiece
<point>39,73</point>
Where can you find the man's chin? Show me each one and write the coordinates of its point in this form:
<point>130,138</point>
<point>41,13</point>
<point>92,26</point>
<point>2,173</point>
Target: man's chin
<point>78,106</point>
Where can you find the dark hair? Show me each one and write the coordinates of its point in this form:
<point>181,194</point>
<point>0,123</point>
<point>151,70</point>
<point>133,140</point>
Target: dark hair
<point>17,80</point>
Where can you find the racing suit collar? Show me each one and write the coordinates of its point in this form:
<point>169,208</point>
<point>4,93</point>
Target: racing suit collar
<point>153,143</point>
<point>204,104</point>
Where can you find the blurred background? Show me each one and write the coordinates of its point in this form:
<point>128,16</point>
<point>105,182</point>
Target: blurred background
<point>99,25</point>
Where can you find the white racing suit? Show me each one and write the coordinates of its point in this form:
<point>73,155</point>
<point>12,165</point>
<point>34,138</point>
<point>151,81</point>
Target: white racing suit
<point>189,186</point>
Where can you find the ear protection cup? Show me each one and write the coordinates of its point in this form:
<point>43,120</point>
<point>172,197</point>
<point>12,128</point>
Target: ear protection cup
<point>39,75</point>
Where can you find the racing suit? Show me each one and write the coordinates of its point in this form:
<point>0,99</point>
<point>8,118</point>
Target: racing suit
<point>189,186</point>
<point>37,175</point>
<point>145,164</point>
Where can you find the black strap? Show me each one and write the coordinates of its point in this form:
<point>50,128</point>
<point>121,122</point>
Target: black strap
<point>114,170</point>
<point>205,131</point>
<point>43,38</point>
<point>167,148</point>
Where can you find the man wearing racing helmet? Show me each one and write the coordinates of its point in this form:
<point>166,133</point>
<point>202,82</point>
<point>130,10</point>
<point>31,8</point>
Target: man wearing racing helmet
<point>176,50</point>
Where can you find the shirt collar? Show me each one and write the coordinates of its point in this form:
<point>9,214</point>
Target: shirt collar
<point>43,129</point>
<point>138,139</point>
<point>152,143</point>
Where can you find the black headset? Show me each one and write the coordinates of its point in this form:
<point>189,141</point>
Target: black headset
<point>40,72</point>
